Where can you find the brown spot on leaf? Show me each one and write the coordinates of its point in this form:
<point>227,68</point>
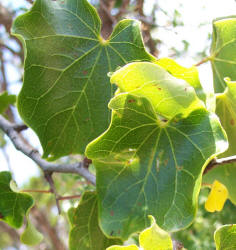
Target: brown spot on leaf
<point>164,120</point>
<point>118,231</point>
<point>112,213</point>
<point>1,216</point>
<point>232,122</point>
<point>85,72</point>
<point>139,204</point>
<point>159,88</point>
<point>179,168</point>
<point>131,100</point>
<point>166,162</point>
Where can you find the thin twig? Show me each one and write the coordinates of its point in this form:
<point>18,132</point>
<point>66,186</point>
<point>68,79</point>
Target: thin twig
<point>59,198</point>
<point>107,10</point>
<point>69,197</point>
<point>49,179</point>
<point>123,9</point>
<point>219,162</point>
<point>9,48</point>
<point>78,168</point>
<point>36,191</point>
<point>20,127</point>
<point>146,29</point>
<point>204,60</point>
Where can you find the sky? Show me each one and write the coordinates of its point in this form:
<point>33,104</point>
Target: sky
<point>197,16</point>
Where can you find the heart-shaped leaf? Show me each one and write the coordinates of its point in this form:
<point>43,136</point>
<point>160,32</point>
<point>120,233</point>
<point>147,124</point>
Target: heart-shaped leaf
<point>223,51</point>
<point>225,237</point>
<point>145,166</point>
<point>226,110</point>
<point>31,236</point>
<point>85,232</point>
<point>66,88</point>
<point>13,205</point>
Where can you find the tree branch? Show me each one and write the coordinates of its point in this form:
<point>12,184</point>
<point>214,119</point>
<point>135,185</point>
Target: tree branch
<point>123,9</point>
<point>77,168</point>
<point>146,29</point>
<point>218,162</point>
<point>48,177</point>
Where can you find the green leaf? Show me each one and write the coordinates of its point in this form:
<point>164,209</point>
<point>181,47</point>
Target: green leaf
<point>223,51</point>
<point>226,110</point>
<point>13,205</point>
<point>154,238</point>
<point>86,233</point>
<point>66,88</point>
<point>70,215</point>
<point>31,236</point>
<point>190,75</point>
<point>225,237</point>
<point>146,167</point>
<point>5,101</point>
<point>169,96</point>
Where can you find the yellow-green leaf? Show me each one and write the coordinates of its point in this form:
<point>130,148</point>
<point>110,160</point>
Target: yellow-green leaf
<point>225,237</point>
<point>31,236</point>
<point>226,110</point>
<point>169,96</point>
<point>154,238</point>
<point>190,75</point>
<point>130,247</point>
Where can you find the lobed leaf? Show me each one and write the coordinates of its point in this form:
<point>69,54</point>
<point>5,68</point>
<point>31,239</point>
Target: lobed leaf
<point>190,75</point>
<point>145,166</point>
<point>66,88</point>
<point>85,232</point>
<point>226,110</point>
<point>223,51</point>
<point>169,96</point>
<point>13,205</point>
<point>152,238</point>
<point>225,237</point>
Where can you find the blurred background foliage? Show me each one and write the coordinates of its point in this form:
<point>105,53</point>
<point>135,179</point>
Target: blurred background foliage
<point>177,29</point>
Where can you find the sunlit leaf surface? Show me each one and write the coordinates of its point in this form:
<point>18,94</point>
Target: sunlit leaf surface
<point>145,165</point>
<point>226,110</point>
<point>225,237</point>
<point>66,88</point>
